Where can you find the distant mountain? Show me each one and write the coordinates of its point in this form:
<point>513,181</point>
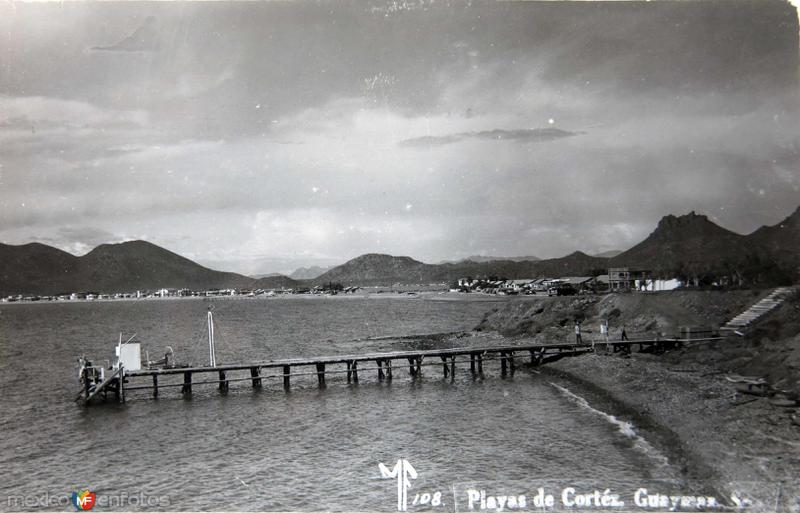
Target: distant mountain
<point>268,275</point>
<point>309,273</point>
<point>609,254</point>
<point>36,268</point>
<point>691,239</point>
<point>482,258</point>
<point>376,269</point>
<point>688,245</point>
<point>373,269</point>
<point>128,266</point>
<point>278,281</point>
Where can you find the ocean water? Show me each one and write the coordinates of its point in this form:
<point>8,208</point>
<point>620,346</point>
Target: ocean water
<point>310,449</point>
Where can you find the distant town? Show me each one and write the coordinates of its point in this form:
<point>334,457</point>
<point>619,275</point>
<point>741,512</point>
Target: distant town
<point>620,279</point>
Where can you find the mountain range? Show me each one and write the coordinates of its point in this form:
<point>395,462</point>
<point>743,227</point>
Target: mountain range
<point>685,245</point>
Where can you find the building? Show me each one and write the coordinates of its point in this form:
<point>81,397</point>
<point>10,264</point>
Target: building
<point>626,279</point>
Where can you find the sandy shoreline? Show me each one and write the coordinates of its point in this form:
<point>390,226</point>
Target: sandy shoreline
<point>715,435</point>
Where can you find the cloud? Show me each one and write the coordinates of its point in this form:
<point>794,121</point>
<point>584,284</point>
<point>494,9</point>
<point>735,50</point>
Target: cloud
<point>143,39</point>
<point>524,135</point>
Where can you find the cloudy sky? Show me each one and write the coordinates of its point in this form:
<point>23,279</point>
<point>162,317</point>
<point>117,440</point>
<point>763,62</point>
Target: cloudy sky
<point>258,137</point>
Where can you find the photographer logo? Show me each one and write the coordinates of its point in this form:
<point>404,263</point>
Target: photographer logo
<point>84,500</point>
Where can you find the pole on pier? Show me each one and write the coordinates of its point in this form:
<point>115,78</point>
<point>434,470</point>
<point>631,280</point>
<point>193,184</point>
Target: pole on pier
<point>287,371</point>
<point>452,368</point>
<point>503,364</point>
<point>444,365</point>
<point>388,370</point>
<point>186,389</point>
<point>321,374</point>
<point>355,371</point>
<point>255,373</point>
<point>155,386</point>
<point>212,356</point>
<point>380,369</point>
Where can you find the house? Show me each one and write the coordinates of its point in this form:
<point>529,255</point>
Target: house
<point>626,279</point>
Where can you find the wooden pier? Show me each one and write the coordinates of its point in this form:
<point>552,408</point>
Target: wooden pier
<point>383,364</point>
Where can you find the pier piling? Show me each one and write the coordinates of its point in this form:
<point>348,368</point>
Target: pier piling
<point>255,373</point>
<point>388,370</point>
<point>186,389</point>
<point>321,374</point>
<point>223,382</point>
<point>380,369</point>
<point>287,371</point>
<point>355,371</point>
<point>155,386</point>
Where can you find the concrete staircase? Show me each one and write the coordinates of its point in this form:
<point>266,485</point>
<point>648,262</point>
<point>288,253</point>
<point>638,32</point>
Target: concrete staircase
<point>762,306</point>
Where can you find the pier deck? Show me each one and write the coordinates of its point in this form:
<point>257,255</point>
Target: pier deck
<point>383,363</point>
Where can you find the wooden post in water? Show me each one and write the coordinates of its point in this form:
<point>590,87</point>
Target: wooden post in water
<point>86,385</point>
<point>480,363</point>
<point>503,364</point>
<point>411,368</point>
<point>287,371</point>
<point>349,372</point>
<point>321,374</point>
<point>155,386</point>
<point>444,365</point>
<point>452,369</point>
<point>380,369</point>
<point>388,370</point>
<point>472,363</point>
<point>511,362</point>
<point>419,365</point>
<point>223,382</point>
<point>355,371</point>
<point>186,389</point>
<point>255,373</point>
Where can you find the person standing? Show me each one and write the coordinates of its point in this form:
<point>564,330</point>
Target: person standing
<point>578,333</point>
<point>604,332</point>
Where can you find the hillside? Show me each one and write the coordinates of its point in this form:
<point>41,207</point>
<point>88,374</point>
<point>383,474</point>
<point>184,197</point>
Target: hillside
<point>275,282</point>
<point>309,273</point>
<point>128,266</point>
<point>377,269</point>
<point>782,241</point>
<point>688,240</point>
<point>36,268</point>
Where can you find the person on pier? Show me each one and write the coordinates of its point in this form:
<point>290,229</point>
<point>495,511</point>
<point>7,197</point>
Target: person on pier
<point>578,339</point>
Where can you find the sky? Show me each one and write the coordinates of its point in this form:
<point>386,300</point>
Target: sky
<point>259,137</point>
